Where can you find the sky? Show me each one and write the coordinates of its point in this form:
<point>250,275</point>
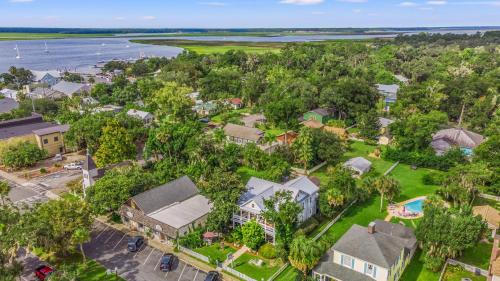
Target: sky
<point>247,13</point>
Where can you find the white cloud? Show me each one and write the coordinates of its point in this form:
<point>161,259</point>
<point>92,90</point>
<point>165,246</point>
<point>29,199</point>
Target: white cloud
<point>20,1</point>
<point>302,2</point>
<point>149,18</point>
<point>353,1</point>
<point>408,4</point>
<point>437,3</point>
<point>219,4</point>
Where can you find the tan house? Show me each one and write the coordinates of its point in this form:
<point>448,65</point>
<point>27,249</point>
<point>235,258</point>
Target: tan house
<point>51,139</point>
<point>490,215</point>
<point>168,211</point>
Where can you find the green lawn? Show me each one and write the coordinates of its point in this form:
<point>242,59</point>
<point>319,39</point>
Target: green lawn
<point>246,173</point>
<point>478,256</point>
<point>415,271</point>
<point>232,116</point>
<point>214,252</point>
<point>243,265</point>
<point>456,273</point>
<point>93,271</point>
<point>289,274</point>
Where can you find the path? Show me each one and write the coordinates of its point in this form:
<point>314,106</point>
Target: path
<point>236,255</point>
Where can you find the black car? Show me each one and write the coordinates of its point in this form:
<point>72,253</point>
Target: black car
<point>167,262</point>
<point>212,276</point>
<point>135,243</point>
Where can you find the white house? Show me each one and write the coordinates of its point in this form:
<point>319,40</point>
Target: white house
<point>145,117</point>
<point>8,93</point>
<point>251,203</point>
<point>390,94</point>
<point>90,172</point>
<point>378,252</point>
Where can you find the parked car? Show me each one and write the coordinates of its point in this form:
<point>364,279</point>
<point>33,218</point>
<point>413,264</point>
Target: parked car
<point>43,272</point>
<point>213,276</point>
<point>58,157</point>
<point>135,243</point>
<point>167,262</point>
<point>73,166</point>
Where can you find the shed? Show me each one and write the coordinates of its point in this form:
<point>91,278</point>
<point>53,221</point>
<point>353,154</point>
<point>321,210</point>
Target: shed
<point>359,165</point>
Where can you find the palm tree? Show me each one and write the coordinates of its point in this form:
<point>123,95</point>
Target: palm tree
<point>388,187</point>
<point>304,253</point>
<point>81,236</point>
<point>303,146</point>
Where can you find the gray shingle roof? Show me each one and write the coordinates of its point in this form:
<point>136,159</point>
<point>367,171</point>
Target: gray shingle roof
<point>7,105</point>
<point>166,195</point>
<point>89,163</point>
<point>70,88</point>
<point>358,164</point>
<point>51,130</point>
<point>22,126</point>
<point>385,122</point>
<point>460,137</point>
<point>328,267</point>
<point>381,248</point>
<point>243,132</point>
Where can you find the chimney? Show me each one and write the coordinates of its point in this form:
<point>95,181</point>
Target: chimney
<point>371,227</point>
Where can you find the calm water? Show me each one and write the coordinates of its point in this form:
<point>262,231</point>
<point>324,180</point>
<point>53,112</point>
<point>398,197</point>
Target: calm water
<point>415,206</point>
<point>82,54</point>
<point>71,54</point>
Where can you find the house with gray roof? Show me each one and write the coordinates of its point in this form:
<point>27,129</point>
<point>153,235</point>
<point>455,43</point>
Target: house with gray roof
<point>389,92</point>
<point>251,203</point>
<point>379,252</point>
<point>167,211</point>
<point>48,77</point>
<point>242,134</point>
<point>446,139</point>
<point>359,165</point>
<point>70,88</point>
<point>44,93</point>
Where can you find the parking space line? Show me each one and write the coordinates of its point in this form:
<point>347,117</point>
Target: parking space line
<point>119,241</point>
<point>147,258</point>
<point>196,275</point>
<point>138,251</point>
<point>159,260</point>
<point>182,272</point>
<point>106,228</point>
<point>112,234</point>
<point>166,274</point>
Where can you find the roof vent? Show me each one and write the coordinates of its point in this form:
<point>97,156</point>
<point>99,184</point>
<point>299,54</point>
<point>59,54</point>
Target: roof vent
<point>371,227</point>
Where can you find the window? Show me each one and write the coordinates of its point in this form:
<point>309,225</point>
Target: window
<point>56,139</point>
<point>347,261</point>
<point>370,270</point>
<point>45,141</point>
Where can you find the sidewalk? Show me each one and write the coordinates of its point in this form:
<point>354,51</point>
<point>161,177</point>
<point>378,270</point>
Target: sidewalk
<point>236,255</point>
<point>165,248</point>
<point>13,178</point>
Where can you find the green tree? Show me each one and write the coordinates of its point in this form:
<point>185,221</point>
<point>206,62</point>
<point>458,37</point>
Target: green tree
<point>21,155</point>
<point>116,144</point>
<point>253,234</point>
<point>304,254</point>
<point>4,191</point>
<point>282,210</point>
<point>387,187</point>
<point>368,125</point>
<point>79,237</point>
<point>172,100</point>
<point>302,146</point>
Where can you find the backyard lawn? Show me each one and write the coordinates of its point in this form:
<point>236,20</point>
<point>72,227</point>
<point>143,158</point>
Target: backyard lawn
<point>263,272</point>
<point>246,173</point>
<point>415,271</point>
<point>456,273</point>
<point>289,274</point>
<point>478,256</point>
<point>214,252</point>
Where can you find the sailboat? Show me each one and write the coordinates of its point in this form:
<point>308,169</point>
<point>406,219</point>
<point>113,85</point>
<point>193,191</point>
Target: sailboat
<point>18,53</point>
<point>46,48</point>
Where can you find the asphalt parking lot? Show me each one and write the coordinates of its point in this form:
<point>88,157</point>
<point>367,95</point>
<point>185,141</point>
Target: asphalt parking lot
<point>109,247</point>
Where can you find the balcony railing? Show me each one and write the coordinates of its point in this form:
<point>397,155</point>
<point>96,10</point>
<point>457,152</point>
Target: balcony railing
<point>241,220</point>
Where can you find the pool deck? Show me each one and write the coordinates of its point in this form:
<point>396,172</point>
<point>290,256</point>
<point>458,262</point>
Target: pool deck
<point>393,212</point>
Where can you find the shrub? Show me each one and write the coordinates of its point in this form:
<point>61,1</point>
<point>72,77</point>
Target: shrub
<point>253,234</point>
<point>267,251</point>
<point>192,240</point>
<point>309,226</point>
<point>43,170</point>
<point>21,155</point>
<point>425,158</point>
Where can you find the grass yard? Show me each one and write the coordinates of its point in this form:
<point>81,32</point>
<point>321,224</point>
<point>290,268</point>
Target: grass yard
<point>243,265</point>
<point>289,274</point>
<point>93,271</point>
<point>211,47</point>
<point>478,256</point>
<point>456,273</point>
<point>214,252</point>
<point>246,173</point>
<point>415,271</point>
<point>233,116</point>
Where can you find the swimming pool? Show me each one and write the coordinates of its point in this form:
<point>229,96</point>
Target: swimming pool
<point>416,206</point>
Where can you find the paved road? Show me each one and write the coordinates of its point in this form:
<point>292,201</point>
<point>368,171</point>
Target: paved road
<point>109,247</point>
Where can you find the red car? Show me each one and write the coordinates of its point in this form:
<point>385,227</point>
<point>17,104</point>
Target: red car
<point>42,272</point>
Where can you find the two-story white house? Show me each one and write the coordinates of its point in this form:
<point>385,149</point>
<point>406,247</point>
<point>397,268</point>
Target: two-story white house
<point>251,203</point>
<point>378,252</point>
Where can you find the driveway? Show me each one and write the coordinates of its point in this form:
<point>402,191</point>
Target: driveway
<point>109,247</point>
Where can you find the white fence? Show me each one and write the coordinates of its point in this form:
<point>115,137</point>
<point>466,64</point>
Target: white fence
<point>491,197</point>
<point>330,224</point>
<point>194,254</point>
<point>235,273</point>
<point>468,267</point>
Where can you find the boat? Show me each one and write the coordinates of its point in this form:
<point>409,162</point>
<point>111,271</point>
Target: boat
<point>128,46</point>
<point>46,48</point>
<point>18,53</point>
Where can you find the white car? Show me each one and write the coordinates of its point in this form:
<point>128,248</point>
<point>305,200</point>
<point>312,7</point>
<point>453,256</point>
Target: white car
<point>73,166</point>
